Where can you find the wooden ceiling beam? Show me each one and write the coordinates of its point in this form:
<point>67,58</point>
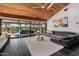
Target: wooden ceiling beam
<point>21,17</point>
<point>49,6</point>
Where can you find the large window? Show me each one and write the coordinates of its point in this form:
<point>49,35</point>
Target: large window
<point>10,27</point>
<point>13,28</point>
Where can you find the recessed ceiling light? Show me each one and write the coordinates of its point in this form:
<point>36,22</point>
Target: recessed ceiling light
<point>42,6</point>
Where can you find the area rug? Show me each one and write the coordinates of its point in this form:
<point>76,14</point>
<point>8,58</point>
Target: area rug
<point>41,48</point>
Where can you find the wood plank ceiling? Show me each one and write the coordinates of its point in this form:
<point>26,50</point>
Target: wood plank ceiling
<point>32,11</point>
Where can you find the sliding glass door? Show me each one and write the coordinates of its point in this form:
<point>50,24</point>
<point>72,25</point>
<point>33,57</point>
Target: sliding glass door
<point>14,28</point>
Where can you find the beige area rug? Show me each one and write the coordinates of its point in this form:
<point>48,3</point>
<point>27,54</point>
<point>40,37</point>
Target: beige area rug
<point>41,48</point>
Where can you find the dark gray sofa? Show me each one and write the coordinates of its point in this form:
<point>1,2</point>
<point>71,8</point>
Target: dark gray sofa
<point>67,39</point>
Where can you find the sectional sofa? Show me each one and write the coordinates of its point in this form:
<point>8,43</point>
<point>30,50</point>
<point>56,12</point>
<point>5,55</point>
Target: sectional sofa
<point>67,39</point>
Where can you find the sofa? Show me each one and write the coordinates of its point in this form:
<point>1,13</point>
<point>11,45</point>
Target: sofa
<point>25,33</point>
<point>67,39</point>
<point>3,41</point>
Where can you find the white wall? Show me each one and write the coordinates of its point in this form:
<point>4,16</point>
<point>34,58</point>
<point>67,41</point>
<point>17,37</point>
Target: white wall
<point>73,17</point>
